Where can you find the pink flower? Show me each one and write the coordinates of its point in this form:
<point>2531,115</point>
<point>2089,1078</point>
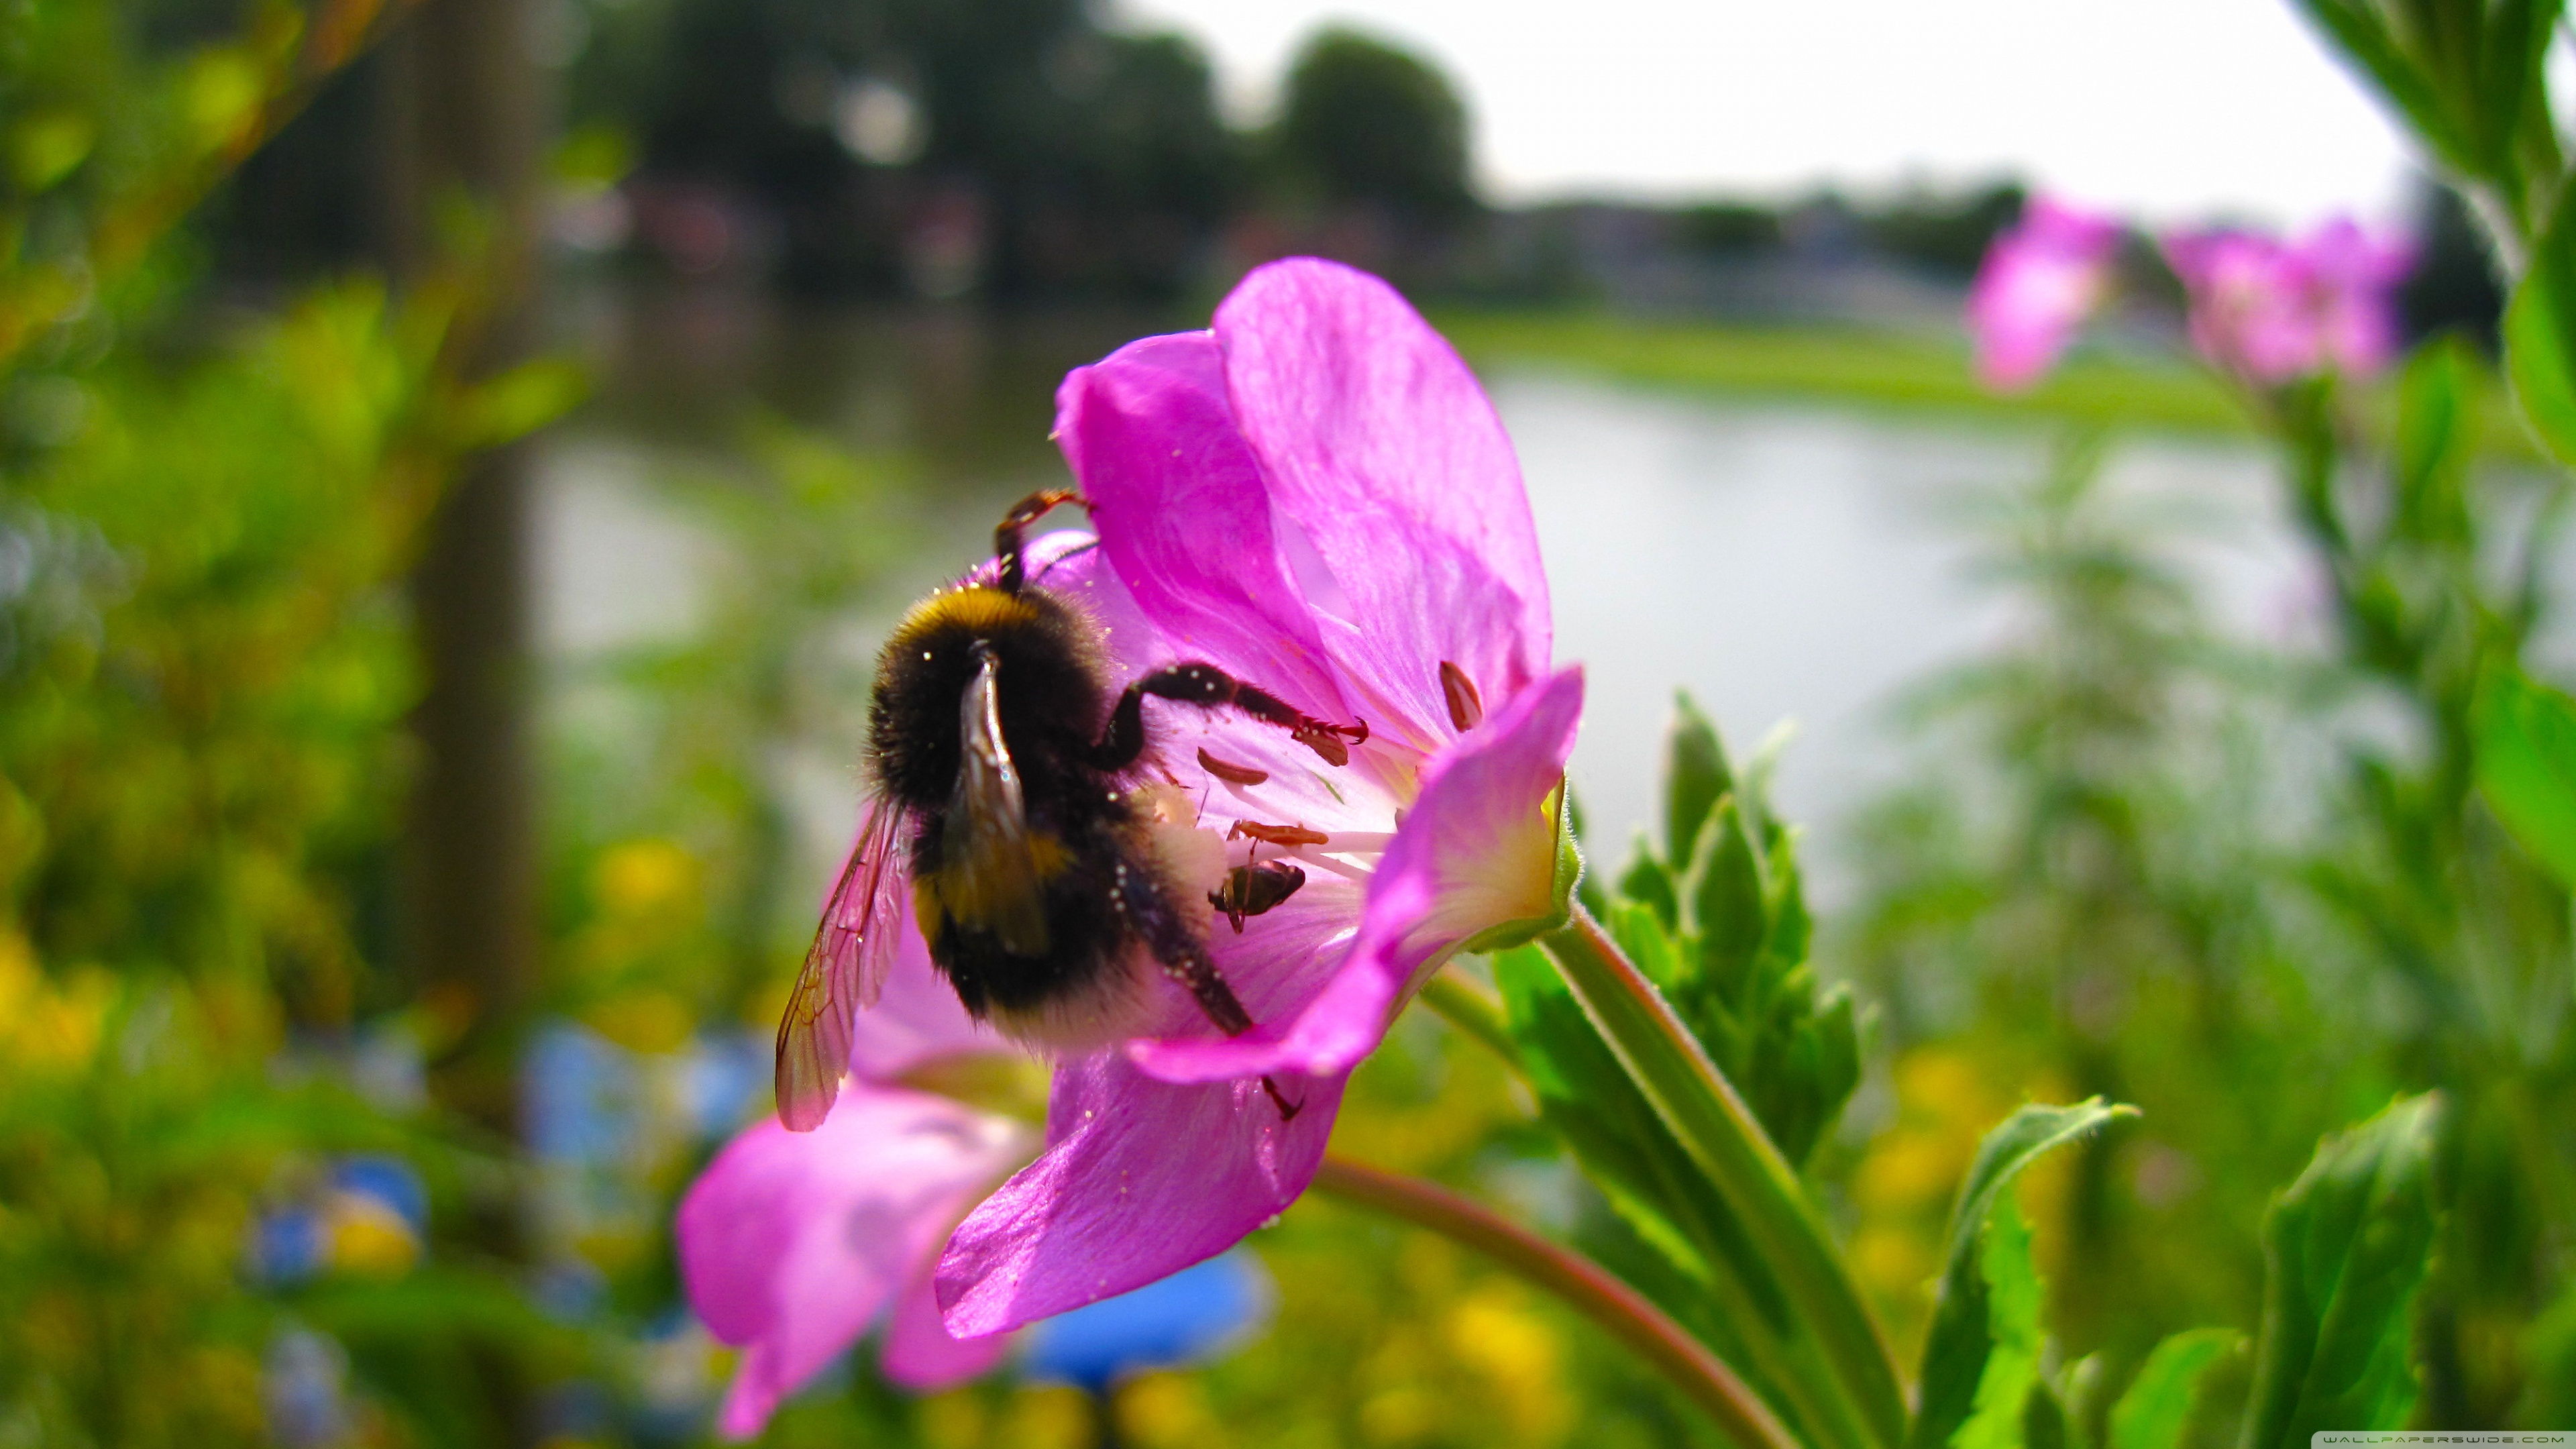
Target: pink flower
<point>2273,312</point>
<point>2040,281</point>
<point>793,1244</point>
<point>1315,497</point>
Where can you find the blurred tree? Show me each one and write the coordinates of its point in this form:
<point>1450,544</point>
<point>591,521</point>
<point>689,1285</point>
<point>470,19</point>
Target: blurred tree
<point>1946,234</point>
<point>1727,229</point>
<point>1010,145</point>
<point>1364,122</point>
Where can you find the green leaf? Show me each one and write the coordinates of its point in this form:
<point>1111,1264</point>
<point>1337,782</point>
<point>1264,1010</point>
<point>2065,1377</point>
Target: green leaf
<point>2151,1414</point>
<point>2526,764</point>
<point>1715,1282</point>
<point>2011,1371</point>
<point>1649,882</point>
<point>520,401</point>
<point>1695,776</point>
<point>2465,75</point>
<point>1963,1332</point>
<point>1725,894</point>
<point>2346,1248</point>
<point>1727,1149</point>
<point>2436,440</point>
<point>2540,334</point>
<point>2356,28</point>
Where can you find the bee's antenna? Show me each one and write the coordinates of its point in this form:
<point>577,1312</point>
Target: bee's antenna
<point>1006,534</point>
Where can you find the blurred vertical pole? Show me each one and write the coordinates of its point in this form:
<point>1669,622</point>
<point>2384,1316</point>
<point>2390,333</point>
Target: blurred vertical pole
<point>465,120</point>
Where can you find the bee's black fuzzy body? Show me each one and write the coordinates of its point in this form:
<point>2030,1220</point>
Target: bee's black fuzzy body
<point>1104,893</point>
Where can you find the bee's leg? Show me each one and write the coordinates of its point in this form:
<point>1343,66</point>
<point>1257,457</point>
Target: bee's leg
<point>1006,534</point>
<point>1209,687</point>
<point>1185,959</point>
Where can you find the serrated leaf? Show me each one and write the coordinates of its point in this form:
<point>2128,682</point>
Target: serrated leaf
<point>2158,1402</point>
<point>1963,1332</point>
<point>1695,777</point>
<point>2345,1249</point>
<point>2540,334</point>
<point>1626,1150</point>
<point>2011,1371</point>
<point>2526,766</point>
<point>1724,892</point>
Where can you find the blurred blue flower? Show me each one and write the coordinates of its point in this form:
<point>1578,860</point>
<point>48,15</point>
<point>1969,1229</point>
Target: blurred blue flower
<point>725,1078</point>
<point>304,1388</point>
<point>388,1180</point>
<point>1195,1315</point>
<point>286,1245</point>
<point>577,1095</point>
<point>370,1215</point>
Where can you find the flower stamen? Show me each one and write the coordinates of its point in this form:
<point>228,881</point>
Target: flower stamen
<point>1466,704</point>
<point>1277,834</point>
<point>1230,772</point>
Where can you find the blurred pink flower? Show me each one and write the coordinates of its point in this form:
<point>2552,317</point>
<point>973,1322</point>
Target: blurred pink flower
<point>793,1244</point>
<point>2273,312</point>
<point>2041,279</point>
<point>1314,496</point>
<point>2356,275</point>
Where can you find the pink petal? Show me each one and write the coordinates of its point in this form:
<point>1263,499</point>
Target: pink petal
<point>1477,851</point>
<point>2038,284</point>
<point>1140,1179</point>
<point>791,1244</point>
<point>1411,532</point>
<point>920,1356</point>
<point>1184,518</point>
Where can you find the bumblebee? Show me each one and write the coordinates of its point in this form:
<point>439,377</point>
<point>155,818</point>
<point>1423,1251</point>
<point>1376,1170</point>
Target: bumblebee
<point>1009,810</point>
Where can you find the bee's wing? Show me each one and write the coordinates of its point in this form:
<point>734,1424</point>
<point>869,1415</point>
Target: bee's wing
<point>843,970</point>
<point>988,869</point>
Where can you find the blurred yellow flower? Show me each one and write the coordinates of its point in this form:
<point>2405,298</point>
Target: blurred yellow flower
<point>640,877</point>
<point>46,1027</point>
<point>1494,1332</point>
<point>643,1020</point>
<point>369,1238</point>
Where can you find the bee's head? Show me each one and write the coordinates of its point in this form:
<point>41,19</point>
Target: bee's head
<point>1047,680</point>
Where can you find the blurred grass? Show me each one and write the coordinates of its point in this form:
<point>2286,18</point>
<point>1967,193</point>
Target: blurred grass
<point>1850,364</point>
<point>1896,371</point>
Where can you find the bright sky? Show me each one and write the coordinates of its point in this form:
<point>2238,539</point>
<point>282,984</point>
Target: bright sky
<point>2170,109</point>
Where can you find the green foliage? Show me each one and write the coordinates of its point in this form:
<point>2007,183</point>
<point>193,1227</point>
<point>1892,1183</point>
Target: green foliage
<point>2466,76</point>
<point>2348,1245</point>
<point>2008,1387</point>
<point>2540,335</point>
<point>1973,1325</point>
<point>2526,743</point>
<point>1718,920</point>
<point>2154,1411</point>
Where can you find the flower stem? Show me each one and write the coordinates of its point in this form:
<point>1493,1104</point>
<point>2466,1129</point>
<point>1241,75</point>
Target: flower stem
<point>1738,1412</point>
<point>1474,1011</point>
<point>1723,1138</point>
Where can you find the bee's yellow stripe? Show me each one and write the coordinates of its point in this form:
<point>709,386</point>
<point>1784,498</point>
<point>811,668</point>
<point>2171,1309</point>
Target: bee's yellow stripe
<point>959,894</point>
<point>977,610</point>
